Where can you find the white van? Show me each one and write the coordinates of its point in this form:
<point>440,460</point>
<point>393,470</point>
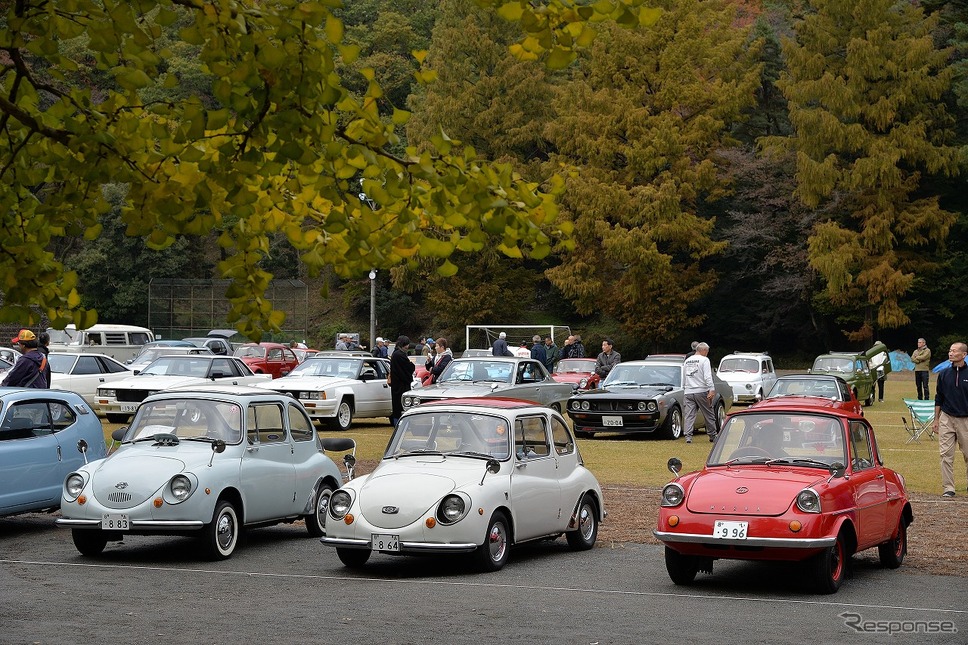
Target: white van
<point>120,342</point>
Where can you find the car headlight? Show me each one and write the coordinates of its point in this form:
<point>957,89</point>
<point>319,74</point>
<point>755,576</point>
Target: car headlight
<point>451,509</point>
<point>672,495</point>
<point>339,504</point>
<point>586,406</point>
<point>575,405</point>
<point>309,396</point>
<point>652,406</point>
<point>180,487</point>
<point>583,383</point>
<point>73,486</point>
<point>642,406</point>
<point>808,501</point>
<point>107,392</point>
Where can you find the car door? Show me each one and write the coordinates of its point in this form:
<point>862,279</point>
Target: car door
<point>86,376</point>
<point>372,390</point>
<point>769,375</point>
<point>526,379</point>
<point>535,492</point>
<point>306,458</point>
<point>31,458</point>
<point>870,487</point>
<point>268,476</point>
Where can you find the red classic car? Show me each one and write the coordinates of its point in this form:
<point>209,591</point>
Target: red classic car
<point>268,358</point>
<point>420,371</point>
<point>579,371</point>
<point>786,482</point>
<point>828,390</point>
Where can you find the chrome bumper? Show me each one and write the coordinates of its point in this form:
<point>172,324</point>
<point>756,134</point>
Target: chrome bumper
<point>405,547</point>
<point>136,525</point>
<point>777,543</point>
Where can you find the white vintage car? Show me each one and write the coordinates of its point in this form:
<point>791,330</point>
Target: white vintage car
<point>84,373</point>
<point>469,476</point>
<point>337,386</point>
<point>118,401</point>
<point>495,376</point>
<point>206,461</point>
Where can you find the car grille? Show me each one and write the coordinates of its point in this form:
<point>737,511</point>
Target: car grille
<point>615,406</point>
<point>132,396</point>
<point>119,497</point>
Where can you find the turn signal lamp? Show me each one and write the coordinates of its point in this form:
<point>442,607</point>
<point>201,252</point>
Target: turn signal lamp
<point>82,500</point>
<point>348,518</point>
<point>673,520</point>
<point>158,502</point>
<point>795,526</point>
<point>431,522</point>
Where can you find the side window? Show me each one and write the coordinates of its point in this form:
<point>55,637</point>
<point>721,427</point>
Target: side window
<point>300,426</point>
<point>86,365</point>
<point>564,445</point>
<point>25,420</point>
<point>110,367</point>
<point>289,355</point>
<point>844,390</point>
<point>275,354</point>
<point>860,447</point>
<point>531,438</point>
<point>266,420</point>
<point>94,338</point>
<point>223,368</point>
<point>138,338</point>
<point>381,368</point>
<point>62,416</point>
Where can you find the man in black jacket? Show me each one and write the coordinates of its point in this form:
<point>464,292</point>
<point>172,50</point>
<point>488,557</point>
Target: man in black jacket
<point>401,376</point>
<point>29,368</point>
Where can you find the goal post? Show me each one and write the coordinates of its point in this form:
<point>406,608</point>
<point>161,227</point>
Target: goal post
<point>483,336</point>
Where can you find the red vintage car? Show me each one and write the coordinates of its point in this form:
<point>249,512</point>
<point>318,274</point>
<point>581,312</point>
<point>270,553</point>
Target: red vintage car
<point>420,371</point>
<point>268,358</point>
<point>789,482</point>
<point>578,371</point>
<point>820,389</point>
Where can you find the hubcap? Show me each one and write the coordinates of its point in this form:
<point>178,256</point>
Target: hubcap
<point>322,507</point>
<point>497,542</point>
<point>586,523</point>
<point>226,531</point>
<point>344,414</point>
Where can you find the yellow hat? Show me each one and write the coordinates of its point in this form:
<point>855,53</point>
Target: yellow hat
<point>24,335</point>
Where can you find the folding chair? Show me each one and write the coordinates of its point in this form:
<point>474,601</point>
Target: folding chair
<point>922,416</point>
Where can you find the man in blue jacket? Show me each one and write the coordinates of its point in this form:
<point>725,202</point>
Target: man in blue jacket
<point>29,369</point>
<point>951,414</point>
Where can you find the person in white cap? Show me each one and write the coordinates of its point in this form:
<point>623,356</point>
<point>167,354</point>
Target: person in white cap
<point>500,346</point>
<point>380,351</point>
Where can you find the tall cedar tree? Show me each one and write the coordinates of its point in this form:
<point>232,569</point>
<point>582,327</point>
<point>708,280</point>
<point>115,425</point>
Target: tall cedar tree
<point>864,83</point>
<point>639,127</point>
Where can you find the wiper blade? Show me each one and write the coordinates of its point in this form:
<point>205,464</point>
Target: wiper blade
<point>799,460</point>
<point>417,451</point>
<point>747,460</point>
<point>622,383</point>
<point>660,385</point>
<point>470,453</point>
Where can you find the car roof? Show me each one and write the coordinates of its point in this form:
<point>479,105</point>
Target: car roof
<point>747,354</point>
<point>265,344</point>
<point>501,403</point>
<point>666,358</point>
<point>798,404</point>
<point>811,377</point>
<point>222,390</point>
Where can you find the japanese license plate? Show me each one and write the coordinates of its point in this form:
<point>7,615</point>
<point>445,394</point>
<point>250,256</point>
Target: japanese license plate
<point>129,408</point>
<point>384,542</point>
<point>115,522</point>
<point>730,530</point>
<point>612,421</point>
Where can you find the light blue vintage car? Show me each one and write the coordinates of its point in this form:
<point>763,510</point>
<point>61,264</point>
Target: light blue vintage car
<point>39,435</point>
<point>204,460</point>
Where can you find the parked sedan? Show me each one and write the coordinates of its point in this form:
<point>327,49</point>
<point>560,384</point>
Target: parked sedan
<point>580,372</point>
<point>275,359</point>
<point>817,386</point>
<point>789,483</point>
<point>519,378</point>
<point>40,431</point>
<point>84,373</point>
<point>118,401</point>
<point>642,397</point>
<point>9,354</point>
<point>207,462</point>
<point>338,387</point>
<point>147,356</point>
<point>469,476</point>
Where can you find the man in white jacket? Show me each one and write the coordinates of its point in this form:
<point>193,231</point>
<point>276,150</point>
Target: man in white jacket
<point>699,392</point>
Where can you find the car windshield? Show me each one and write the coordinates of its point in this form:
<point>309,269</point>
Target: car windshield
<point>780,437</point>
<point>805,387</point>
<point>329,366</point>
<point>626,375</point>
<point>475,369</point>
<point>834,364</point>
<point>61,364</point>
<point>188,419</point>
<point>251,351</point>
<point>178,366</point>
<point>750,365</point>
<point>467,434</point>
<point>571,366</point>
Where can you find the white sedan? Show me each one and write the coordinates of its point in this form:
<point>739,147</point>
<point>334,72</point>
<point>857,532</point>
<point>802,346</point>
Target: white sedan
<point>118,401</point>
<point>84,373</point>
<point>469,476</point>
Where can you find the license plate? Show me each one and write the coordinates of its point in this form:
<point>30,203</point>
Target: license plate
<point>730,530</point>
<point>612,421</point>
<point>115,522</point>
<point>129,408</point>
<point>383,542</point>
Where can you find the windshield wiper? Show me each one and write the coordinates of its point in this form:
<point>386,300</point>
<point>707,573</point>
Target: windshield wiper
<point>417,451</point>
<point>659,385</point>
<point>747,460</point>
<point>799,460</point>
<point>470,453</point>
<point>621,383</point>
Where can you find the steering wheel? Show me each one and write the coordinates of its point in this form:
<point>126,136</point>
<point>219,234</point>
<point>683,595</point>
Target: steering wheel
<point>749,451</point>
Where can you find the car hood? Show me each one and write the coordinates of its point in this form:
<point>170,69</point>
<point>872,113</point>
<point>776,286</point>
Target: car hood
<point>133,475</point>
<point>414,486</point>
<point>749,490</point>
<point>307,382</point>
<point>628,390</point>
<point>149,382</point>
<point>571,377</point>
<point>462,390</point>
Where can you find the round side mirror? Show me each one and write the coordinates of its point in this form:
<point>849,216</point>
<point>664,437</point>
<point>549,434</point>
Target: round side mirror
<point>118,435</point>
<point>218,446</point>
<point>674,465</point>
<point>493,466</point>
<point>837,469</point>
<point>81,446</point>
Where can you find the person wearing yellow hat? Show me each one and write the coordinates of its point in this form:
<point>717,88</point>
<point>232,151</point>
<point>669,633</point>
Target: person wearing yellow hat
<point>29,369</point>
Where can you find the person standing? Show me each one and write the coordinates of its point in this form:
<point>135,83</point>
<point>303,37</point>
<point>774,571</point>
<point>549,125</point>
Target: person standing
<point>500,346</point>
<point>878,364</point>
<point>552,352</point>
<point>922,369</point>
<point>440,360</point>
<point>692,348</point>
<point>578,350</point>
<point>608,359</point>
<point>28,371</point>
<point>43,344</point>
<point>428,348</point>
<point>419,347</point>
<point>538,352</point>
<point>567,347</point>
<point>400,377</point>
<point>951,415</point>
<point>381,350</point>
<point>699,392</point>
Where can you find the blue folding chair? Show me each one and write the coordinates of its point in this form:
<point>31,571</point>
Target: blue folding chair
<point>922,416</point>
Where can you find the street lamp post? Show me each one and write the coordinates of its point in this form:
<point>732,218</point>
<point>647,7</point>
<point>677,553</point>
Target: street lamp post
<point>372,309</point>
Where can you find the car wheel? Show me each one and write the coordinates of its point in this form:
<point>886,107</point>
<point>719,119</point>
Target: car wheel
<point>493,553</point>
<point>353,558</point>
<point>720,417</point>
<point>316,521</point>
<point>117,418</point>
<point>587,521</point>
<point>892,552</point>
<point>89,542</point>
<point>672,429</point>
<point>556,407</point>
<point>682,568</point>
<point>344,416</point>
<point>222,535</point>
<point>829,567</point>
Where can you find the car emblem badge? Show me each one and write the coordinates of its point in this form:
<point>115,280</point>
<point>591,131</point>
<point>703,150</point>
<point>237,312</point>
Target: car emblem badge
<point>121,485</point>
<point>390,510</point>
<point>742,489</point>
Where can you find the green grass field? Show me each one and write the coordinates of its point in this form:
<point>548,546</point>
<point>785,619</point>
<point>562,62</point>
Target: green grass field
<point>623,460</point>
